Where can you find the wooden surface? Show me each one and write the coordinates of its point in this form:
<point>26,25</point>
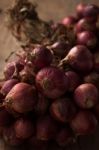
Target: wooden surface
<point>48,9</point>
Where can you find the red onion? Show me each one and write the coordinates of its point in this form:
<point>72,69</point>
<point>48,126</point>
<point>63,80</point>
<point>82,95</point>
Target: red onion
<point>87,38</point>
<point>69,21</point>
<point>42,105</point>
<point>91,12</point>
<point>84,123</point>
<point>41,57</point>
<point>60,48</point>
<point>12,69</point>
<point>27,75</point>
<point>8,85</point>
<point>86,95</point>
<point>52,82</point>
<point>21,98</point>
<point>74,80</point>
<point>63,110</point>
<point>46,128</point>
<point>79,9</point>
<point>84,25</point>
<point>10,138</point>
<point>23,128</point>
<point>93,78</point>
<point>64,137</point>
<point>80,59</point>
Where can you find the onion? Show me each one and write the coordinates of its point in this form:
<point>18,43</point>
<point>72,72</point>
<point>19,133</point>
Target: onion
<point>74,80</point>
<point>84,123</point>
<point>79,58</point>
<point>86,95</point>
<point>8,85</point>
<point>91,12</point>
<point>27,75</point>
<point>42,105</point>
<point>93,78</point>
<point>46,128</point>
<point>23,128</point>
<point>64,137</point>
<point>12,69</point>
<point>60,48</point>
<point>63,110</point>
<point>69,21</point>
<point>21,98</point>
<point>84,25</point>
<point>87,38</point>
<point>41,57</point>
<point>79,10</point>
<point>52,82</point>
<point>10,138</point>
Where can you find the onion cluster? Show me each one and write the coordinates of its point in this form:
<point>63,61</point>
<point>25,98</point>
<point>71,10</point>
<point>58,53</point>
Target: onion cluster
<point>51,91</point>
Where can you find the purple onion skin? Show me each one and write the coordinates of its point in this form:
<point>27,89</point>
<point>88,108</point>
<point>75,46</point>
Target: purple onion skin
<point>27,75</point>
<point>64,137</point>
<point>21,98</point>
<point>41,57</point>
<point>86,95</point>
<point>69,21</point>
<point>91,12</point>
<point>10,138</point>
<point>93,78</point>
<point>74,80</point>
<point>84,123</point>
<point>87,38</point>
<point>46,128</point>
<point>9,69</point>
<point>79,10</point>
<point>42,105</point>
<point>52,82</point>
<point>60,48</point>
<point>63,110</point>
<point>80,59</point>
<point>23,128</point>
<point>84,25</point>
<point>8,85</point>
<point>5,118</point>
<point>96,61</point>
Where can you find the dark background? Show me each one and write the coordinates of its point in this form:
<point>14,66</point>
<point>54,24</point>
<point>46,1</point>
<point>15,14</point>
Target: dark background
<point>48,9</point>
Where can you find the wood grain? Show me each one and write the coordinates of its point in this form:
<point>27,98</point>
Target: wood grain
<point>48,9</point>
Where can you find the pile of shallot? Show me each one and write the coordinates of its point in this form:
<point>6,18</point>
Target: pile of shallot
<point>50,92</point>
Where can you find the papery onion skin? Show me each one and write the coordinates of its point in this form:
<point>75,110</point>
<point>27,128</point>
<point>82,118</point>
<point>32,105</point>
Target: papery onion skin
<point>86,95</point>
<point>22,98</point>
<point>84,123</point>
<point>52,82</point>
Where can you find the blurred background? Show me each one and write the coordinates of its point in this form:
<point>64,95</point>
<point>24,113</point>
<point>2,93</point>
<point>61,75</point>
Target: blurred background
<point>47,9</point>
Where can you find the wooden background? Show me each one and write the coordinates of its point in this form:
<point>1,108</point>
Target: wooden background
<point>48,9</point>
